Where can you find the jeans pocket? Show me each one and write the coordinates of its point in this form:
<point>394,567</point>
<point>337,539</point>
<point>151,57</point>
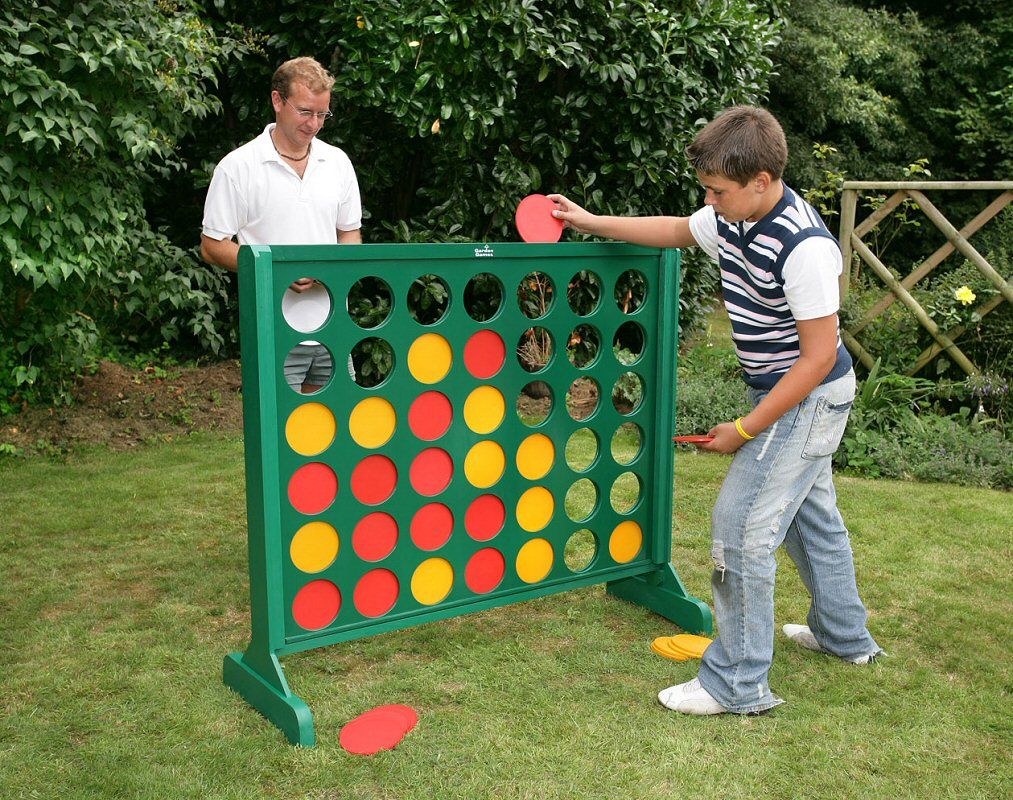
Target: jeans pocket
<point>827,429</point>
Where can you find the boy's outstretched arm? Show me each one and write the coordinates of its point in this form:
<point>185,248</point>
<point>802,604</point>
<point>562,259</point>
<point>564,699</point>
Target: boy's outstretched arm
<point>647,231</point>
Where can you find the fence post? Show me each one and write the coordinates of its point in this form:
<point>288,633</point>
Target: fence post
<point>849,202</point>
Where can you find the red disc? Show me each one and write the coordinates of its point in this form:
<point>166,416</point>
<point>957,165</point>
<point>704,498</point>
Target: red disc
<point>485,570</point>
<point>312,488</point>
<point>375,536</point>
<point>484,517</point>
<point>430,415</point>
<point>700,438</point>
<point>432,526</point>
<point>484,354</point>
<point>316,605</point>
<point>376,593</point>
<point>431,471</point>
<point>373,731</point>
<point>410,715</point>
<point>373,480</point>
<point>534,219</point>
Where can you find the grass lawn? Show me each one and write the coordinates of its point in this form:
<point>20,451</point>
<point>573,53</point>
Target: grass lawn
<point>124,585</point>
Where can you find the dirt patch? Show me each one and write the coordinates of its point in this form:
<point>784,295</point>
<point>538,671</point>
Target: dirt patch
<point>122,407</point>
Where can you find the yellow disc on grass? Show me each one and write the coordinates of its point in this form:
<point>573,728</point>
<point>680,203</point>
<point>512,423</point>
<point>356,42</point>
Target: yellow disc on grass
<point>314,547</point>
<point>429,358</point>
<point>534,560</point>
<point>535,456</point>
<point>432,581</point>
<point>310,429</point>
<point>484,409</point>
<point>535,509</point>
<point>625,541</point>
<point>372,422</point>
<point>484,464</point>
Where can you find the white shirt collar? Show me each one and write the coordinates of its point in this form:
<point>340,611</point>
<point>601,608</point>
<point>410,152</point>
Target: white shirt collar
<point>267,152</point>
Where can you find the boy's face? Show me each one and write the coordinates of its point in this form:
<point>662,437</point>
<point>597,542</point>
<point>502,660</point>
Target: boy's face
<point>737,203</point>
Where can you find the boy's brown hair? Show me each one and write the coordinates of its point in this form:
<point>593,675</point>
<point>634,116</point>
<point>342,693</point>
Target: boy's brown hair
<point>739,143</point>
<point>304,70</point>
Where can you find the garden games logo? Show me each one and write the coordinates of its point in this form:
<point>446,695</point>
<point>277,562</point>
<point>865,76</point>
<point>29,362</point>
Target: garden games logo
<point>484,252</point>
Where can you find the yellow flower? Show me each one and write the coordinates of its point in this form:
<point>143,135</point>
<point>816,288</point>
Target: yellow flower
<point>436,126</point>
<point>360,23</point>
<point>964,295</point>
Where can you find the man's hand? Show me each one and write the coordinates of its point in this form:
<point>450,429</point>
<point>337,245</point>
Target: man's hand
<point>573,216</point>
<point>302,284</point>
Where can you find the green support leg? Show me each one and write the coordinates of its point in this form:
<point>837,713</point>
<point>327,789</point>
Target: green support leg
<point>662,592</point>
<point>267,691</point>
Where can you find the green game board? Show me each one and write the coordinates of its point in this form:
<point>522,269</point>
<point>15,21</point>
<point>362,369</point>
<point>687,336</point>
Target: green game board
<point>508,453</point>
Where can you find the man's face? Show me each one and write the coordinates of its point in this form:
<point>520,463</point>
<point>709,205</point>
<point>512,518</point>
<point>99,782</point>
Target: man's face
<point>734,202</point>
<point>299,128</point>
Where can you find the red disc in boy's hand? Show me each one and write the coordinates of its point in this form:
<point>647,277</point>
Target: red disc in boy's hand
<point>693,439</point>
<point>534,219</point>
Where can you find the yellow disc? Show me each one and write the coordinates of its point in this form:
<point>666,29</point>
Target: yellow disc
<point>534,509</point>
<point>484,464</point>
<point>372,422</point>
<point>310,429</point>
<point>484,409</point>
<point>429,358</point>
<point>314,547</point>
<point>534,560</point>
<point>626,541</point>
<point>535,456</point>
<point>432,581</point>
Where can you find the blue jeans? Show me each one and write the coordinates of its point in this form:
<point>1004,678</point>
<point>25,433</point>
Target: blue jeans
<point>779,489</point>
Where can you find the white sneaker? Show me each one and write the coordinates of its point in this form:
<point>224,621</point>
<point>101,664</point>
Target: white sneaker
<point>803,636</point>
<point>690,698</point>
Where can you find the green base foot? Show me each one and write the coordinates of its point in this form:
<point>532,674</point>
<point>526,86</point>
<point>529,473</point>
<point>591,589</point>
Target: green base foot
<point>270,695</point>
<point>662,592</point>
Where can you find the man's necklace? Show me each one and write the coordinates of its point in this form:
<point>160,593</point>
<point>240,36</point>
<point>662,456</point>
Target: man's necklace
<point>303,157</point>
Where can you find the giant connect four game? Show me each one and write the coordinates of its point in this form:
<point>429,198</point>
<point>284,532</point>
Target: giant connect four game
<point>502,431</point>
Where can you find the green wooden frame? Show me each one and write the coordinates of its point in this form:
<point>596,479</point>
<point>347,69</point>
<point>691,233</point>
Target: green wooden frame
<point>648,579</point>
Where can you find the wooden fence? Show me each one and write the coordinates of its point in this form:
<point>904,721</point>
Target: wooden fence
<point>957,240</point>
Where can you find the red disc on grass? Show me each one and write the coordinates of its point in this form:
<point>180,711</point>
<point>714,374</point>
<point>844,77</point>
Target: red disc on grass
<point>373,731</point>
<point>312,488</point>
<point>485,570</point>
<point>430,415</point>
<point>432,526</point>
<point>409,714</point>
<point>484,517</point>
<point>431,471</point>
<point>376,593</point>
<point>534,219</point>
<point>484,354</point>
<point>316,605</point>
<point>373,480</point>
<point>374,536</point>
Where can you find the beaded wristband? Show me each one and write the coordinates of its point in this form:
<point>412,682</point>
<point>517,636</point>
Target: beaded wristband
<point>741,430</point>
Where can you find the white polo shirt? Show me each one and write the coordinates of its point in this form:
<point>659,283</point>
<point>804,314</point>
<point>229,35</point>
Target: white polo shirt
<point>260,199</point>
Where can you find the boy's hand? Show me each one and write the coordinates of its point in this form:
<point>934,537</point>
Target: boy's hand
<point>573,216</point>
<point>726,439</point>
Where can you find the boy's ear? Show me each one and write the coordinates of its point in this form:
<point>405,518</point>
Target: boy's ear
<point>762,181</point>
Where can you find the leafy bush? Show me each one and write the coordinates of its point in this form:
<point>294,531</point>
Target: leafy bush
<point>709,390</point>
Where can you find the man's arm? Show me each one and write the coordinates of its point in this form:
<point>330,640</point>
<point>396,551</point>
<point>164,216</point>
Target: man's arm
<point>647,231</point>
<point>220,252</point>
<point>350,237</point>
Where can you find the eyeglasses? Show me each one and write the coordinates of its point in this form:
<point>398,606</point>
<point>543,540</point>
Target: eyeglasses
<point>305,113</point>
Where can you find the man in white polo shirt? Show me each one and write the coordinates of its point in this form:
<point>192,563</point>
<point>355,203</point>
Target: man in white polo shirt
<point>286,187</point>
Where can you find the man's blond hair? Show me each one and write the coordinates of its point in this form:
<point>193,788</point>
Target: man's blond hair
<point>304,70</point>
<point>738,144</point>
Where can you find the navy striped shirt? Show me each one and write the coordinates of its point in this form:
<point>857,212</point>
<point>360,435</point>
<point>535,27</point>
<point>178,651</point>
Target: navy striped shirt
<point>751,263</point>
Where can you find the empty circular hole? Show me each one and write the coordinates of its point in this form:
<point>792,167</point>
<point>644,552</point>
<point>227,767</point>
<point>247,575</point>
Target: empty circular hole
<point>307,306</point>
<point>583,292</point>
<point>309,367</point>
<point>580,550</point>
<point>534,349</point>
<point>534,295</point>
<point>483,296</point>
<point>631,288</point>
<point>625,493</point>
<point>626,443</point>
<point>628,393</point>
<point>534,403</point>
<point>628,343</point>
<point>582,398</point>
<point>428,299</point>
<point>581,500</point>
<point>583,345</point>
<point>372,360</point>
<point>581,449</point>
<point>369,302</point>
